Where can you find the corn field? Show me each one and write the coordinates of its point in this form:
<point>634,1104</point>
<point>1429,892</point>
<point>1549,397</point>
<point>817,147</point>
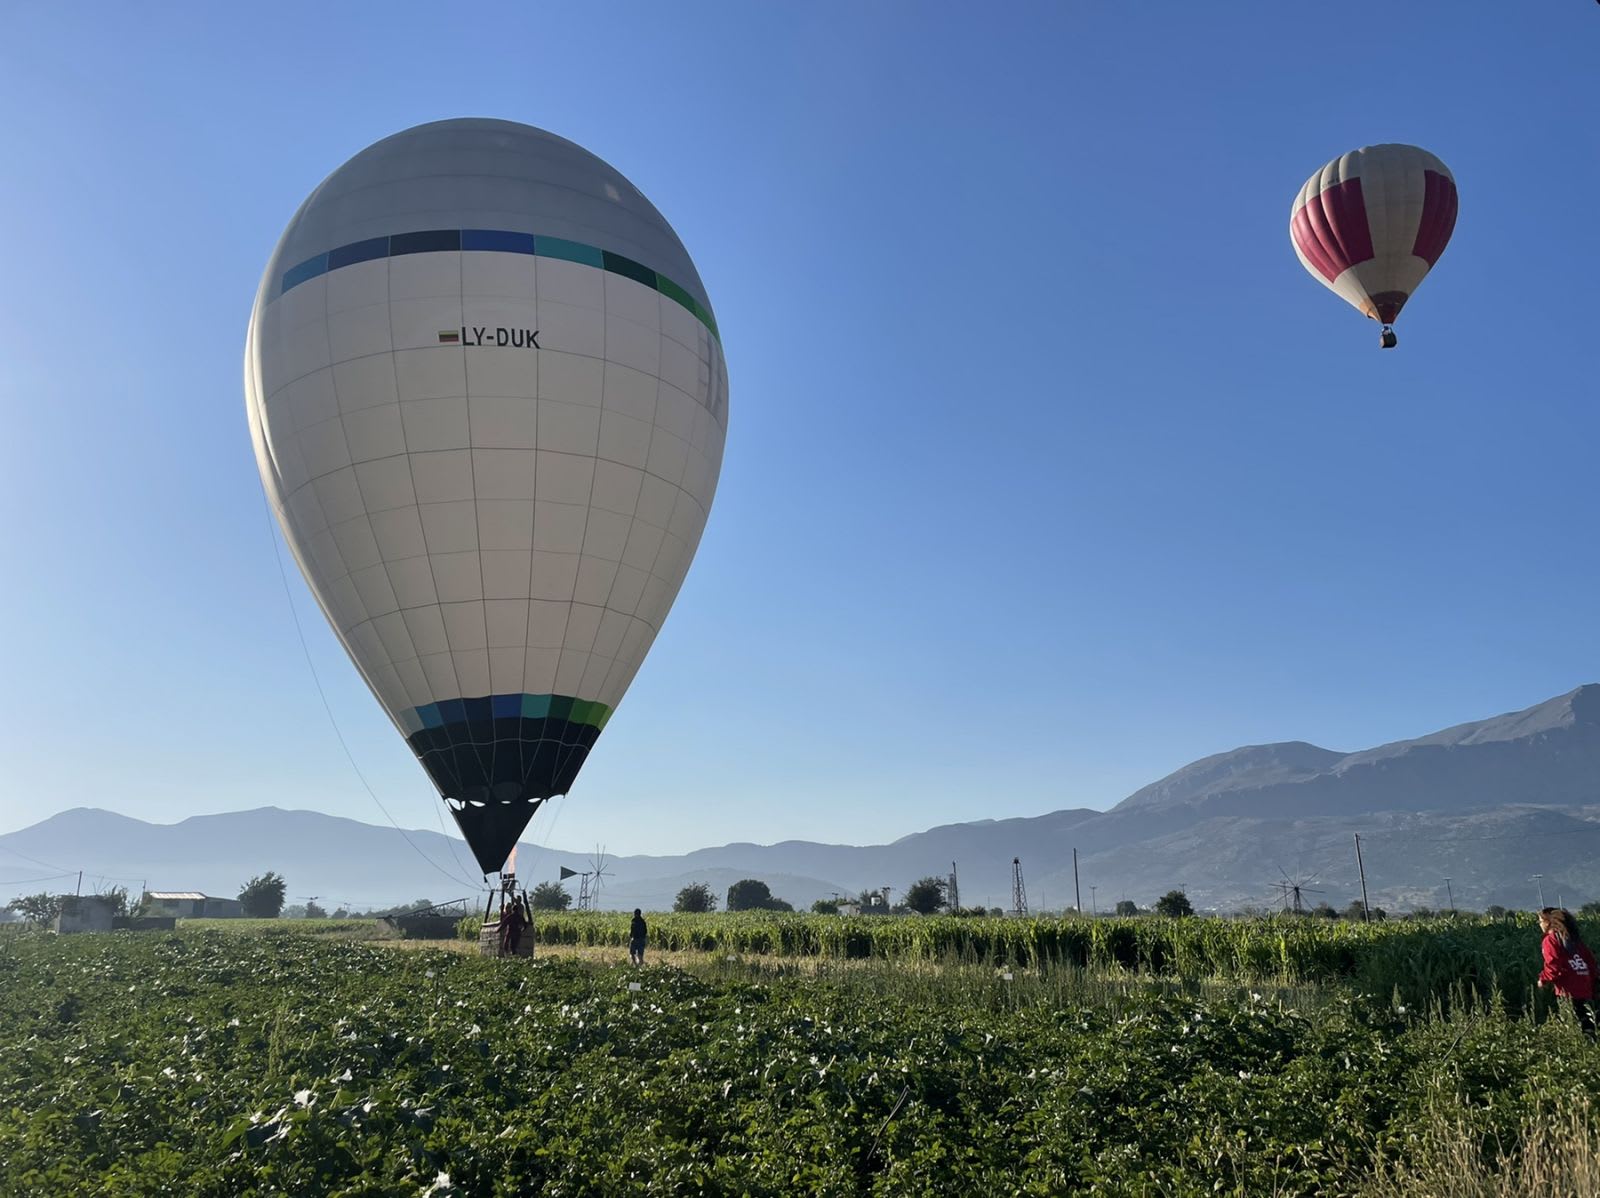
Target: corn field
<point>1419,960</point>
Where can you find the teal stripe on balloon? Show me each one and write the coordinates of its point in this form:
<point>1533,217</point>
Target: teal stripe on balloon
<point>505,242</point>
<point>489,707</point>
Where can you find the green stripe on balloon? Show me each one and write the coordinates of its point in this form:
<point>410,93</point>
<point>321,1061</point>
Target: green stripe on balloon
<point>558,248</point>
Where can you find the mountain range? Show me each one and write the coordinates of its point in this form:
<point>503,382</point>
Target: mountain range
<point>1507,809</point>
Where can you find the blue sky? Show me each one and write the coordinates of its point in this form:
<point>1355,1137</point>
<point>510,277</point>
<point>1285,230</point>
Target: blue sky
<point>1049,469</point>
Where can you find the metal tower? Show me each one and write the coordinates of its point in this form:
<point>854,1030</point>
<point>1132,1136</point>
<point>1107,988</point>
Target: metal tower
<point>1019,892</point>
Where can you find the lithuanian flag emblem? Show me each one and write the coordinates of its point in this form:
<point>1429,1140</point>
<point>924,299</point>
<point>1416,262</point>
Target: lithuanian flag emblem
<point>449,337</point>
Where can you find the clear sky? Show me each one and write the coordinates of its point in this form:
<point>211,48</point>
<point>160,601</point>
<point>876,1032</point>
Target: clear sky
<point>1048,470</point>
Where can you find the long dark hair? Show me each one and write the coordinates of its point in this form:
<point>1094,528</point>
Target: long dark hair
<point>1562,924</point>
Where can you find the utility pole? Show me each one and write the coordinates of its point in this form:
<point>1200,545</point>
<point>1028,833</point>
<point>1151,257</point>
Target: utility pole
<point>953,898</point>
<point>1094,908</point>
<point>1366,907</point>
<point>79,890</point>
<point>1449,894</point>
<point>1077,894</point>
<point>1539,878</point>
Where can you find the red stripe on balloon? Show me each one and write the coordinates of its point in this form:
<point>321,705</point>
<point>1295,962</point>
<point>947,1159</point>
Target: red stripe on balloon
<point>1305,238</point>
<point>1439,207</point>
<point>1331,229</point>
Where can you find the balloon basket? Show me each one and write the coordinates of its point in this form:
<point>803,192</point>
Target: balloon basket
<point>489,941</point>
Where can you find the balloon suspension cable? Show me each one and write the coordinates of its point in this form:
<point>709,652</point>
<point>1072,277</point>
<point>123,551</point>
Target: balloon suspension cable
<point>305,649</point>
<point>1387,339</point>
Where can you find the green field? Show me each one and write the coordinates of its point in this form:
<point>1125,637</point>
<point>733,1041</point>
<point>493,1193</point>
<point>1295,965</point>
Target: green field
<point>211,1062</point>
<point>1420,959</point>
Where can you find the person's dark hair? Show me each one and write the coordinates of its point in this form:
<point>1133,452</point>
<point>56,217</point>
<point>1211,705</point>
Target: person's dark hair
<point>637,911</point>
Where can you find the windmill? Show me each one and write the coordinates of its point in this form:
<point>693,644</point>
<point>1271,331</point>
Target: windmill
<point>1290,891</point>
<point>589,880</point>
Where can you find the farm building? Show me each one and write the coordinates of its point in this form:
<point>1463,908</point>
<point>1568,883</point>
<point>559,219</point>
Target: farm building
<point>191,904</point>
<point>84,913</point>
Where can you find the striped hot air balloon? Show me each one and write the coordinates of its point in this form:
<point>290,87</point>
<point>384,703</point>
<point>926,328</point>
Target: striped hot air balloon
<point>1371,224</point>
<point>488,400</point>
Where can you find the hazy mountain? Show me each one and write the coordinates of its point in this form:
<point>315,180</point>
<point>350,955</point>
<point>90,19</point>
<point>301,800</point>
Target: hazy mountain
<point>1487,804</point>
<point>1548,754</point>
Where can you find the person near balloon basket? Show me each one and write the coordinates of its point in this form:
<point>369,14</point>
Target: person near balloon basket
<point>514,921</point>
<point>1569,966</point>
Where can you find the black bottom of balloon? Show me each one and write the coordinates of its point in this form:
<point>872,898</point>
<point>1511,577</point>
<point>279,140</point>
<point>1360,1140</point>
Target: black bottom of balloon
<point>492,829</point>
<point>494,773</point>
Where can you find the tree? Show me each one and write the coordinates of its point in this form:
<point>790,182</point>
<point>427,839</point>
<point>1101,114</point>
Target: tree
<point>926,895</point>
<point>1324,911</point>
<point>749,894</point>
<point>549,896</point>
<point>1127,907</point>
<point>1356,909</point>
<point>696,898</point>
<point>38,908</point>
<point>1173,904</point>
<point>825,907</point>
<point>1496,911</point>
<point>314,911</point>
<point>262,898</point>
<point>873,900</point>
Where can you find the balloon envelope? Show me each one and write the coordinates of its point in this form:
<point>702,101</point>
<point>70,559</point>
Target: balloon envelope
<point>1370,224</point>
<point>488,401</point>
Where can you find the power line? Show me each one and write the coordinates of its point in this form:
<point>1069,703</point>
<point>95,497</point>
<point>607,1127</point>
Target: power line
<point>30,881</point>
<point>35,860</point>
<point>305,648</point>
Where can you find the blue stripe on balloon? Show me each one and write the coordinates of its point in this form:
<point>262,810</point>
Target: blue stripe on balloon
<point>498,241</point>
<point>307,270</point>
<point>498,707</point>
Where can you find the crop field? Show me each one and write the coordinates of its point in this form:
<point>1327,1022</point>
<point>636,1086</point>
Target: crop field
<point>1421,960</point>
<point>209,1062</point>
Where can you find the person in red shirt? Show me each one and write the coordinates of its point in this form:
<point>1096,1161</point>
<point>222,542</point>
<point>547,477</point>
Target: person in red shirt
<point>514,918</point>
<point>1569,966</point>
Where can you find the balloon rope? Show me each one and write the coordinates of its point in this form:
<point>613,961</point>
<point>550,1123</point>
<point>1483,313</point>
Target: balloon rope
<point>305,648</point>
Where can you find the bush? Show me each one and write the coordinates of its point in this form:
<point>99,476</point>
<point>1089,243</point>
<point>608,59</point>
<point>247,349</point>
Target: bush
<point>550,896</point>
<point>1174,904</point>
<point>695,899</point>
<point>262,897</point>
<point>926,895</point>
<point>752,894</point>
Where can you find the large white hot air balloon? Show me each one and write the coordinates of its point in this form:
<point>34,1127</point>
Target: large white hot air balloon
<point>488,401</point>
<point>1371,224</point>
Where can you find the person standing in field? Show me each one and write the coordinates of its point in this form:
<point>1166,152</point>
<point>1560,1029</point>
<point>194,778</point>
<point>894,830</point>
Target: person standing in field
<point>1569,966</point>
<point>637,932</point>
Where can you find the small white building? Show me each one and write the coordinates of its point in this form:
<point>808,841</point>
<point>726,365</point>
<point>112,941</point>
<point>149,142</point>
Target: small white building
<point>191,904</point>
